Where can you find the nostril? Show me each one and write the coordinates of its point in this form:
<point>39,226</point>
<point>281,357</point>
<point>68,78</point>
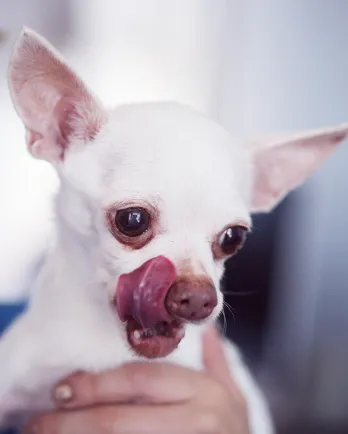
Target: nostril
<point>188,300</point>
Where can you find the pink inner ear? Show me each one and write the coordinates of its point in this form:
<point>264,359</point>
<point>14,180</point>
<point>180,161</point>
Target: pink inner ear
<point>71,122</point>
<point>280,168</point>
<point>52,101</point>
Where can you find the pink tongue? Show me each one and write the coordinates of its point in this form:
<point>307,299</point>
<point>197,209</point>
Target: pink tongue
<point>141,293</point>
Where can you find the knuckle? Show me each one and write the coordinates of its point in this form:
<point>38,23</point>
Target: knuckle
<point>135,377</point>
<point>84,386</point>
<point>218,394</point>
<point>88,387</point>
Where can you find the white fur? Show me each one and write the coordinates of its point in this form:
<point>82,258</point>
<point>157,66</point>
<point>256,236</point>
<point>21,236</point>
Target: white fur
<point>165,154</point>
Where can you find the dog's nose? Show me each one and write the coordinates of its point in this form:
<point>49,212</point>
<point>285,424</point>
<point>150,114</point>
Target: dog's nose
<point>191,300</point>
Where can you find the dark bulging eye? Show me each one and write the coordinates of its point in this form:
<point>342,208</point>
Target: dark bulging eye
<point>132,222</point>
<point>233,239</point>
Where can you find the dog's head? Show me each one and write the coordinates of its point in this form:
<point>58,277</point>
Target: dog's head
<point>156,195</point>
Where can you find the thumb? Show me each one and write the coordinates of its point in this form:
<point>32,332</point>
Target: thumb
<point>216,363</point>
<point>213,356</point>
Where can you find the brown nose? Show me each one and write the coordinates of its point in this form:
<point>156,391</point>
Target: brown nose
<point>192,300</point>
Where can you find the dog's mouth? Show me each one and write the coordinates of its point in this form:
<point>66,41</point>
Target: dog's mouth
<point>157,341</point>
<point>140,302</point>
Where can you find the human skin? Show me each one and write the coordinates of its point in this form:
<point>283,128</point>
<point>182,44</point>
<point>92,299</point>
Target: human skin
<point>151,398</point>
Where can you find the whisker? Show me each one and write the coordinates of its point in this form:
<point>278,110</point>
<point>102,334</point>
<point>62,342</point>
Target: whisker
<point>224,323</point>
<point>231,310</point>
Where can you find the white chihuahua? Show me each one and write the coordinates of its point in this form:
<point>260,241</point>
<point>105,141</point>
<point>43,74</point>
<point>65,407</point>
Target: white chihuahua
<point>153,199</point>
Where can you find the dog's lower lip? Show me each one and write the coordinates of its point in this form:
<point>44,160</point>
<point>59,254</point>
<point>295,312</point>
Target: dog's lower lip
<point>155,342</point>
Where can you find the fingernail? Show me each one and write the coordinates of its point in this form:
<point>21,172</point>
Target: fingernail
<point>63,393</point>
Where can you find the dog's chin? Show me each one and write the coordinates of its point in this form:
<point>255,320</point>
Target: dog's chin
<point>155,342</point>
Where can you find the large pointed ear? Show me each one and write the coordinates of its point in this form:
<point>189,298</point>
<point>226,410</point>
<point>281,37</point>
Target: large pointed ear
<point>283,163</point>
<point>56,107</point>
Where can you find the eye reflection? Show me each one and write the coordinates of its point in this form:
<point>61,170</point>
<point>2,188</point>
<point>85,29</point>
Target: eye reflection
<point>233,239</point>
<point>132,222</point>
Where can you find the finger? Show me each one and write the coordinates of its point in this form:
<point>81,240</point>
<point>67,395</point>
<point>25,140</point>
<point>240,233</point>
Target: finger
<point>217,365</point>
<point>125,419</point>
<point>134,382</point>
<point>214,357</point>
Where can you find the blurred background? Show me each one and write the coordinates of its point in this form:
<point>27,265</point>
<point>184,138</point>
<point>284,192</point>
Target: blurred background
<point>256,67</point>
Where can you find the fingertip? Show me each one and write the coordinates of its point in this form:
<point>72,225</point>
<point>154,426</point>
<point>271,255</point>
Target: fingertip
<point>213,353</point>
<point>212,340</point>
<point>64,392</point>
<point>211,331</point>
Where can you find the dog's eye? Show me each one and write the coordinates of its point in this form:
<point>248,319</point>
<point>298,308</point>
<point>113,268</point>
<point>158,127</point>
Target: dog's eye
<point>233,239</point>
<point>132,222</point>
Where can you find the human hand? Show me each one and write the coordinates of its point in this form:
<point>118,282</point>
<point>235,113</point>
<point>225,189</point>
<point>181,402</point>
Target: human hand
<point>150,398</point>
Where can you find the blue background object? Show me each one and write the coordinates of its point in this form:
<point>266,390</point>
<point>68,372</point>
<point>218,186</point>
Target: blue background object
<point>7,314</point>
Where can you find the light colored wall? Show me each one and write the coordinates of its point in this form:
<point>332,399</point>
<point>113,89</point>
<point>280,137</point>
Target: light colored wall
<point>295,71</point>
<point>127,50</point>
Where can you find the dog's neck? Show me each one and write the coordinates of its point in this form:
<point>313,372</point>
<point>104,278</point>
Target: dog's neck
<point>70,269</point>
<point>76,239</point>
<point>77,253</point>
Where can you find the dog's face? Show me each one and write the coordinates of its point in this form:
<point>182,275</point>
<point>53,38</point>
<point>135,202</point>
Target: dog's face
<point>158,195</point>
<point>162,203</point>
